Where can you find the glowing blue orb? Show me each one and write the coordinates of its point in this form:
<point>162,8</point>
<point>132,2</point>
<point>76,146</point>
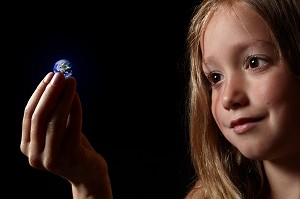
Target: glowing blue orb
<point>63,66</point>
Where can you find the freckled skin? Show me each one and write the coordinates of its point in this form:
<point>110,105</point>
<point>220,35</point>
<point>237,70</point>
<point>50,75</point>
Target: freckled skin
<point>268,93</point>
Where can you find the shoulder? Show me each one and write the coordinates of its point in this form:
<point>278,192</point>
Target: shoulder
<point>197,192</point>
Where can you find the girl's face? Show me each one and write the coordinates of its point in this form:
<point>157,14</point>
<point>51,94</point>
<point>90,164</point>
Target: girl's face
<point>255,101</point>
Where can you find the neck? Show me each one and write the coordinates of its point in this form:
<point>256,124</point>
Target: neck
<point>283,176</point>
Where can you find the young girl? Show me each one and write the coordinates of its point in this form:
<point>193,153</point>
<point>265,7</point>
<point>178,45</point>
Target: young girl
<point>244,99</point>
<point>244,108</point>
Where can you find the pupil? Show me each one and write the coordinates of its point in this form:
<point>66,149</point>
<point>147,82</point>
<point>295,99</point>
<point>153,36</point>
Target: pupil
<point>253,62</point>
<point>215,78</point>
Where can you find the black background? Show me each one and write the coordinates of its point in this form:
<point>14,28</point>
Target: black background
<point>128,59</point>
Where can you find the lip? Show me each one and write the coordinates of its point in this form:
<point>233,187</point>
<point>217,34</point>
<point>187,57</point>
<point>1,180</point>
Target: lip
<point>242,125</point>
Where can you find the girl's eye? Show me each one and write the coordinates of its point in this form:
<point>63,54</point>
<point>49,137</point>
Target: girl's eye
<point>255,62</point>
<point>214,77</point>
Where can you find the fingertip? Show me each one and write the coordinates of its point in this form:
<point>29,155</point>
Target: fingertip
<point>57,78</point>
<point>48,77</point>
<point>72,79</point>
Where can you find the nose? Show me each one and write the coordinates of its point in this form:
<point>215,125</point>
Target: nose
<point>234,93</point>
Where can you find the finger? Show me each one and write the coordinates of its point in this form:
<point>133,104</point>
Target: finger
<point>56,135</point>
<point>42,114</point>
<point>74,123</point>
<point>29,109</point>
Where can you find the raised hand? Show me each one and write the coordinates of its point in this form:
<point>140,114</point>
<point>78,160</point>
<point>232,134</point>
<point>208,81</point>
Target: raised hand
<point>52,138</point>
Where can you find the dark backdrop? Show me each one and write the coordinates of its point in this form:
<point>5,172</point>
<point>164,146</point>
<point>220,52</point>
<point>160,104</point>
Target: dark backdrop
<point>128,60</point>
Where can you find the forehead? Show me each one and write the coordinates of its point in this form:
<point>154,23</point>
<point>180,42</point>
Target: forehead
<point>235,23</point>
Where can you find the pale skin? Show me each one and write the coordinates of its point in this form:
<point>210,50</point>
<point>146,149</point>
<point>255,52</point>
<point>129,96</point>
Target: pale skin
<point>255,101</point>
<point>52,138</point>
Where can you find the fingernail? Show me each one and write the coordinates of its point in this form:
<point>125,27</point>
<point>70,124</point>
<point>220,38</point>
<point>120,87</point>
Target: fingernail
<point>48,77</point>
<point>55,79</point>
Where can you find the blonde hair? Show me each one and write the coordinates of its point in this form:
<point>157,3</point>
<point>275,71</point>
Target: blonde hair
<point>223,172</point>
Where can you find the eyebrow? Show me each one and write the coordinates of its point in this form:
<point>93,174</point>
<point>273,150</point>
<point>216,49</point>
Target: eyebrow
<point>261,43</point>
<point>241,46</point>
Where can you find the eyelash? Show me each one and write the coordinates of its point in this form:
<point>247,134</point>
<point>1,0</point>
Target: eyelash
<point>214,77</point>
<point>250,59</point>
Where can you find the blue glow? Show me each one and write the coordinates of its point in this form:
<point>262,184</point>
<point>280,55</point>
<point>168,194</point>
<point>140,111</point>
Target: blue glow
<point>63,66</point>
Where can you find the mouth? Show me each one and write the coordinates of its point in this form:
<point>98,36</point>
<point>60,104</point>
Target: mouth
<point>243,125</point>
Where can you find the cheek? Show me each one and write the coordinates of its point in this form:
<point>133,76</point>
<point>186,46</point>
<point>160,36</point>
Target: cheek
<point>264,94</point>
<point>217,108</point>
<point>271,92</point>
<point>282,98</point>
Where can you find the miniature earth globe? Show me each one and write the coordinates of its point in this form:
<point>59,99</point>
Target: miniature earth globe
<point>63,66</point>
